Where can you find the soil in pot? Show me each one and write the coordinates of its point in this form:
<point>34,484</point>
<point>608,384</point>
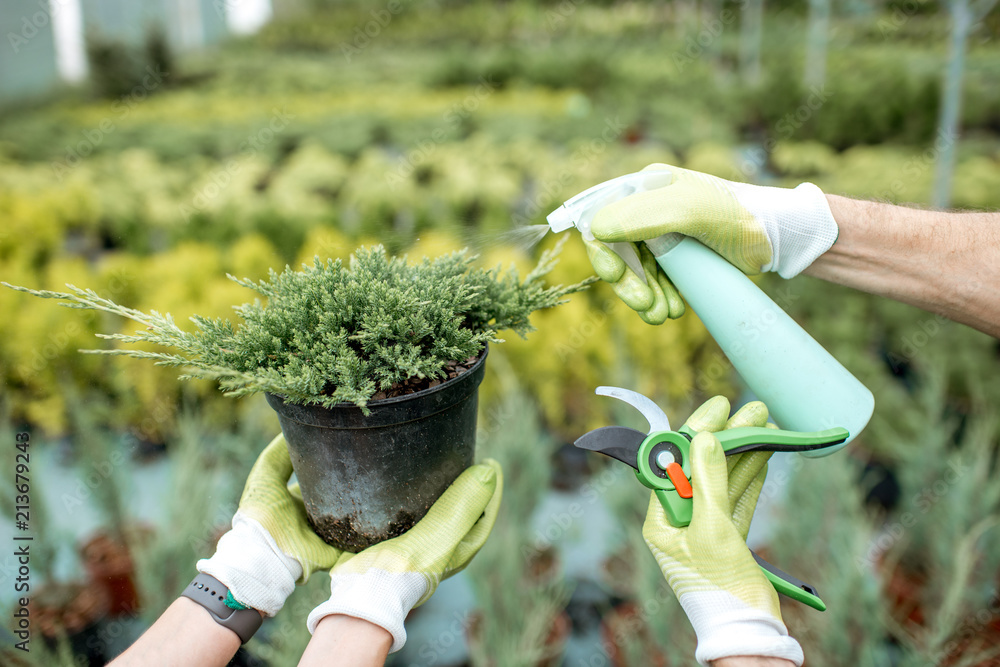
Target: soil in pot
<point>368,478</point>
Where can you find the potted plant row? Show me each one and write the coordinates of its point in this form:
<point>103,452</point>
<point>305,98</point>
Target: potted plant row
<point>373,366</point>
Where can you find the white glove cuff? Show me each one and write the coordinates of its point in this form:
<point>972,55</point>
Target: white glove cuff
<point>249,562</point>
<point>798,223</point>
<point>726,627</point>
<point>379,597</point>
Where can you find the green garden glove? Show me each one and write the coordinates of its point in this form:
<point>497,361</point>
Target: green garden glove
<point>271,546</point>
<point>756,228</point>
<point>653,296</point>
<point>732,606</point>
<point>385,581</point>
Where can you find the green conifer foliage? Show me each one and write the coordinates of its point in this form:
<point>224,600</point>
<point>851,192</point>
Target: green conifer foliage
<point>334,333</point>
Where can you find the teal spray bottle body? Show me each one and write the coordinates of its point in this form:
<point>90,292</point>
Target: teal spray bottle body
<point>803,385</point>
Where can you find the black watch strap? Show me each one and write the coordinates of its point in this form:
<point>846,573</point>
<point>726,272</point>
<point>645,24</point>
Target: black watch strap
<point>210,593</point>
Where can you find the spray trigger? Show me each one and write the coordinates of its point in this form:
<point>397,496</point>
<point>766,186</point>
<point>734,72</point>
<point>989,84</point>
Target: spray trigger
<point>579,211</point>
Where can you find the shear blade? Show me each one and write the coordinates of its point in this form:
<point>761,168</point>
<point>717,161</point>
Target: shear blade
<point>651,411</point>
<point>618,442</point>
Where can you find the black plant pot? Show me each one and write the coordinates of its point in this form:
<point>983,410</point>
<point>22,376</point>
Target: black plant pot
<point>366,479</point>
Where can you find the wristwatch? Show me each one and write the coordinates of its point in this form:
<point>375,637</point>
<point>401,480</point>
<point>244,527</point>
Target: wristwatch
<point>211,594</point>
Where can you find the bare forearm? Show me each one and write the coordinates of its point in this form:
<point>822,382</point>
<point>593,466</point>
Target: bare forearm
<point>751,661</point>
<point>345,640</point>
<point>184,635</point>
<point>943,262</point>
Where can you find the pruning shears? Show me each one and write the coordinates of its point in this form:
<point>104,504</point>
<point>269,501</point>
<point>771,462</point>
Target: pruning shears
<point>661,457</point>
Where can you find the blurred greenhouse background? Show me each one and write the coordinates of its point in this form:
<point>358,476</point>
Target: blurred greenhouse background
<point>155,147</point>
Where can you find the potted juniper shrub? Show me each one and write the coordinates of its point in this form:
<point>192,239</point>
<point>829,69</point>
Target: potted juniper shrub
<point>373,366</point>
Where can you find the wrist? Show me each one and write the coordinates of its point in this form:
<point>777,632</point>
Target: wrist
<point>215,598</point>
<point>362,631</point>
<point>798,222</point>
<point>203,640</point>
<point>751,661</point>
<point>726,627</point>
<point>376,596</point>
<point>352,640</point>
<point>249,562</point>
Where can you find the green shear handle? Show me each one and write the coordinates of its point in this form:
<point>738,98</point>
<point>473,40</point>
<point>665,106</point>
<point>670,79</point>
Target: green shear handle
<point>663,466</point>
<point>663,458</point>
<point>789,586</point>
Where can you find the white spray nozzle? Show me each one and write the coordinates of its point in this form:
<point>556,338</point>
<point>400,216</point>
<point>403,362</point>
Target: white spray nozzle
<point>579,211</point>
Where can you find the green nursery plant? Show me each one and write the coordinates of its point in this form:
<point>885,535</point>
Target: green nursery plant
<point>329,344</point>
<point>914,583</point>
<point>339,332</point>
<point>521,589</point>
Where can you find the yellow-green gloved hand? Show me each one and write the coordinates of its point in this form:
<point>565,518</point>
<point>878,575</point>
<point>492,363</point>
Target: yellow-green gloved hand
<point>385,581</point>
<point>756,228</point>
<point>271,545</point>
<point>652,295</point>
<point>732,606</point>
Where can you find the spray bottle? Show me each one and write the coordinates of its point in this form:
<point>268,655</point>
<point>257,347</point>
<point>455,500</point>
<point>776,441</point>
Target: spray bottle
<point>803,386</point>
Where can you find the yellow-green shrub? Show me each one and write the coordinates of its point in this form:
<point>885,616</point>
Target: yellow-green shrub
<point>39,343</point>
